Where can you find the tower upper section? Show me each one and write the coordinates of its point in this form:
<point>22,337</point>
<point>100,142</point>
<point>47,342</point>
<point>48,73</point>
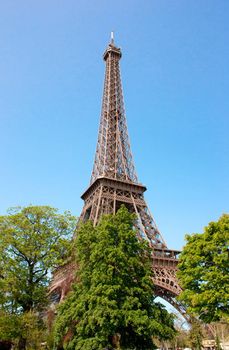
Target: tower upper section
<point>113,156</point>
<point>112,50</point>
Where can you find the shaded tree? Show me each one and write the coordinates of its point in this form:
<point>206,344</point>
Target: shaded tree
<point>33,240</point>
<point>204,272</point>
<point>112,302</point>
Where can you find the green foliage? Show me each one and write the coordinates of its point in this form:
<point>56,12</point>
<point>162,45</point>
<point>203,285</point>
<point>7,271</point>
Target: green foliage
<point>9,326</point>
<point>112,303</point>
<point>33,240</point>
<point>204,272</point>
<point>27,328</point>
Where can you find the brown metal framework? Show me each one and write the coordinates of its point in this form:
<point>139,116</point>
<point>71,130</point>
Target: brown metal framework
<point>114,182</point>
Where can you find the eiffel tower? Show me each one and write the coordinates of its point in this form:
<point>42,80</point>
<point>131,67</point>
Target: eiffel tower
<point>114,182</point>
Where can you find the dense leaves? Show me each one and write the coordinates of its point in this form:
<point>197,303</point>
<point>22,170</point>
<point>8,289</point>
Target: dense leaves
<point>112,303</point>
<point>204,271</point>
<point>26,330</point>
<point>33,240</point>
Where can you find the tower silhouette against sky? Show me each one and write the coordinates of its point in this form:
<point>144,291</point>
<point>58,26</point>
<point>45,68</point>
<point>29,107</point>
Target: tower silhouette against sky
<point>114,182</point>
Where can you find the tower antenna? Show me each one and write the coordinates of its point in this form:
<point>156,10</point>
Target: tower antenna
<point>112,37</point>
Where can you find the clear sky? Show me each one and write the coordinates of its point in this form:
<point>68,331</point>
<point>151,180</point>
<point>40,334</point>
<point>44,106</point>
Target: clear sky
<point>175,73</point>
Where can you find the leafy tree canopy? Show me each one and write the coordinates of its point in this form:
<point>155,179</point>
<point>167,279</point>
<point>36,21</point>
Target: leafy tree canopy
<point>204,271</point>
<point>112,303</point>
<point>33,240</point>
<point>26,330</point>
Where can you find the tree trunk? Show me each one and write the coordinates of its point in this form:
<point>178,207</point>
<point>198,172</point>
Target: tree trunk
<point>22,344</point>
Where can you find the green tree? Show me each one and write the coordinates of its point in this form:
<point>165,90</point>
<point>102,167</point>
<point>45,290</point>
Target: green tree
<point>204,272</point>
<point>33,241</point>
<point>112,303</point>
<point>24,330</point>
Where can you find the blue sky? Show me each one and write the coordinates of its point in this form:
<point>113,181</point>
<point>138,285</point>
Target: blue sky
<point>175,76</point>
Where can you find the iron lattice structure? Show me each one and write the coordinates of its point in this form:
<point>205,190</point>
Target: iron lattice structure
<point>114,182</point>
